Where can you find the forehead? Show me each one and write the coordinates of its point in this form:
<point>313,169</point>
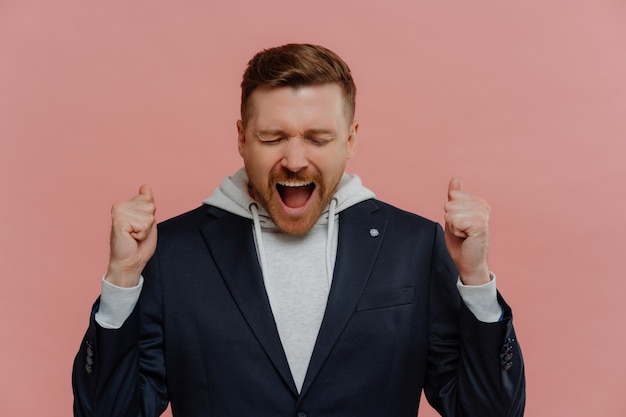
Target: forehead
<point>297,103</point>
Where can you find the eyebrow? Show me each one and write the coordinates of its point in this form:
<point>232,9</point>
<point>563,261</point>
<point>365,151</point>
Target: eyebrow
<point>272,132</point>
<point>268,132</point>
<point>320,132</point>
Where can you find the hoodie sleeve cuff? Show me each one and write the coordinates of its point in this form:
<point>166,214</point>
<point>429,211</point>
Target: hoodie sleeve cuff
<point>482,300</point>
<point>116,304</point>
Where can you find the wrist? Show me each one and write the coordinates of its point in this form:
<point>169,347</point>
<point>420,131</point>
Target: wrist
<point>478,277</point>
<point>121,277</point>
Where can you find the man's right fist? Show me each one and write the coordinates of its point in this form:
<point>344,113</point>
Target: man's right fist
<point>133,238</point>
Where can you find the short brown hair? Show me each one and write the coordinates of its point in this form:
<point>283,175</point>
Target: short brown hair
<point>296,65</point>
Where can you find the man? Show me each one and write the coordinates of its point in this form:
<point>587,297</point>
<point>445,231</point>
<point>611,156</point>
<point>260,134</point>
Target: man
<point>292,291</point>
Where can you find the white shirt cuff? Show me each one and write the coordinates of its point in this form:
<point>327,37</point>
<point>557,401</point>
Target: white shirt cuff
<point>116,304</point>
<point>482,300</point>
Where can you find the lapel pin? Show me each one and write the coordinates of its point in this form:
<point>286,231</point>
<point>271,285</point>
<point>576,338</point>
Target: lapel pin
<point>374,232</point>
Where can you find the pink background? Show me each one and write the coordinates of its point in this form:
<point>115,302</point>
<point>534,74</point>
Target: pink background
<point>524,100</point>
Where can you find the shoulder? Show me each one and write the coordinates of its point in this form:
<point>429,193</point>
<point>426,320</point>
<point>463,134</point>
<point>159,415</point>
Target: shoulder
<point>399,225</point>
<point>391,213</point>
<point>190,220</point>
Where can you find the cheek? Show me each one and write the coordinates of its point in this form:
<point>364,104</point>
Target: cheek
<point>333,163</point>
<point>259,166</point>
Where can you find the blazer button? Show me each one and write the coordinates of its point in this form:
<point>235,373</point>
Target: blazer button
<point>88,369</point>
<point>508,357</point>
<point>507,366</point>
<point>301,414</point>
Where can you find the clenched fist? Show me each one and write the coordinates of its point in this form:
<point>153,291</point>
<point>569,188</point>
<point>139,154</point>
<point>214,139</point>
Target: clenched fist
<point>133,238</point>
<point>467,233</point>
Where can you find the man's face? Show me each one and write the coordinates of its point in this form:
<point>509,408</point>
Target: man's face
<point>295,146</point>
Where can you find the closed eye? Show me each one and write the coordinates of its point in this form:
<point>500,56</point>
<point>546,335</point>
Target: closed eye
<point>319,141</point>
<point>269,139</point>
<point>272,141</point>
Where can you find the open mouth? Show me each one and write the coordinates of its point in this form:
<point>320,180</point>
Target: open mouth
<point>295,194</point>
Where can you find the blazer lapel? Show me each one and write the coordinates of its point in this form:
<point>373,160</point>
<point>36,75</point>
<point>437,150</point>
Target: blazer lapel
<point>360,238</point>
<point>231,243</point>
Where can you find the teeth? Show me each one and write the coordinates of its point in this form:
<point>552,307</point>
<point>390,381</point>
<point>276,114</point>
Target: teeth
<point>294,183</point>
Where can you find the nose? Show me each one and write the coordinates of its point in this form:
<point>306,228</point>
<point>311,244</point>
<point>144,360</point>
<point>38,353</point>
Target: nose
<point>295,155</point>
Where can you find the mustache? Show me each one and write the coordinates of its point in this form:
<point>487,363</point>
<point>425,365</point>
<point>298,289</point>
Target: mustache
<point>285,175</point>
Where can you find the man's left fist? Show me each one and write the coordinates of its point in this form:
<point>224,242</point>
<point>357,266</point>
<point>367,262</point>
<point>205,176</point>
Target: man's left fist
<point>467,233</point>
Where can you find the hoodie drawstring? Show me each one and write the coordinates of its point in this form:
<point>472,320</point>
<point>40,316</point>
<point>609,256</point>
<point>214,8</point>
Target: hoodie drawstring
<point>329,240</point>
<point>254,209</point>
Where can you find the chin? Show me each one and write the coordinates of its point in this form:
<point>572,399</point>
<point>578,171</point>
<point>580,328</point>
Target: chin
<point>295,227</point>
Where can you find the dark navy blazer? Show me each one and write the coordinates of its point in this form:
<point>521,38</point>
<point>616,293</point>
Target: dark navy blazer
<point>203,336</point>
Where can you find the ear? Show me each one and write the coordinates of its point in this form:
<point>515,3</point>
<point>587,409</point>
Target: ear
<point>352,141</point>
<point>241,137</point>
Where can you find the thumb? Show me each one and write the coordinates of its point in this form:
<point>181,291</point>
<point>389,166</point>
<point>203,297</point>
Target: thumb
<point>454,185</point>
<point>146,191</point>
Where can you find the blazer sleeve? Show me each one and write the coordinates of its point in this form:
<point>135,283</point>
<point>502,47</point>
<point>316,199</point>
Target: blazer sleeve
<point>121,372</point>
<point>474,368</point>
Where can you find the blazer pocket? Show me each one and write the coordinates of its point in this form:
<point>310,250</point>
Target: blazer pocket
<point>389,298</point>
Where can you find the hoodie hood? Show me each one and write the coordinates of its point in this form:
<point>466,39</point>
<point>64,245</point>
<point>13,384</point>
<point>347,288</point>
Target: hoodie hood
<point>232,196</point>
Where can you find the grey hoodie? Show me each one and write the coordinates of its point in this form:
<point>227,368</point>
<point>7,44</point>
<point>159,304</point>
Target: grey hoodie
<point>297,270</point>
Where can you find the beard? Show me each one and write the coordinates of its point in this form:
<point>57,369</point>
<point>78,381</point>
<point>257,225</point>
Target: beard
<point>271,198</point>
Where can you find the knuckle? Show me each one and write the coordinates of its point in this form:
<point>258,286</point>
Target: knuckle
<point>115,207</point>
<point>449,206</point>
